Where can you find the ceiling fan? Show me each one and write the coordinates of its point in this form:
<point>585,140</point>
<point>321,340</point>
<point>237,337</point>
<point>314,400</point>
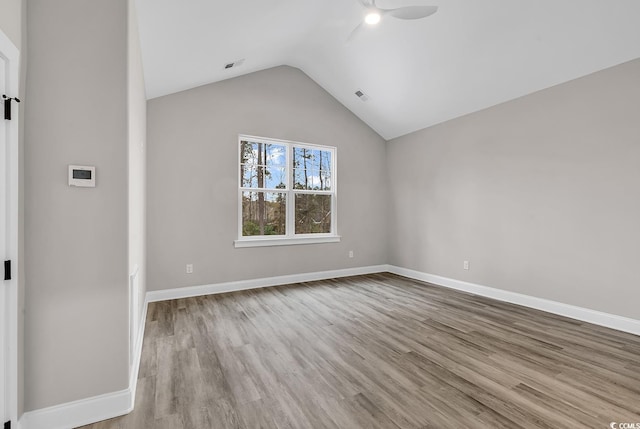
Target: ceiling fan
<point>375,14</point>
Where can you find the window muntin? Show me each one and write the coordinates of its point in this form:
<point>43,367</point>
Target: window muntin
<point>287,189</point>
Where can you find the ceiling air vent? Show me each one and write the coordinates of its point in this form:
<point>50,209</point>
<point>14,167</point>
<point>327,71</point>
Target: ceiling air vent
<point>234,64</point>
<point>361,95</point>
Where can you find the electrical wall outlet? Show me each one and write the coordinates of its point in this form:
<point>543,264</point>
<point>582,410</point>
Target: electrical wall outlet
<point>351,253</point>
<point>465,265</point>
<point>189,268</point>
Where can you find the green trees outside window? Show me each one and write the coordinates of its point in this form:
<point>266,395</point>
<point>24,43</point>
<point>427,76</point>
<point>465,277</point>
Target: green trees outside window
<point>286,189</point>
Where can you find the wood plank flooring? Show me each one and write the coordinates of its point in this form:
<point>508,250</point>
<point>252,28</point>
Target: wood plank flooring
<point>377,351</point>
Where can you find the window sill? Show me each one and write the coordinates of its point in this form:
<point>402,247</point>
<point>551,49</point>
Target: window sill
<point>265,242</point>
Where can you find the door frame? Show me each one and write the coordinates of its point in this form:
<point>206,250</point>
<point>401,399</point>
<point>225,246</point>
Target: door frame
<point>11,56</point>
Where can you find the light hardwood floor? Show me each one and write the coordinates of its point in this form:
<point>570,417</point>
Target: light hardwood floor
<point>377,351</point>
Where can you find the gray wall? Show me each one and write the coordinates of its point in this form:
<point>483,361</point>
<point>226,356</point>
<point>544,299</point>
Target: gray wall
<point>193,184</point>
<point>540,194</point>
<point>75,238</point>
<point>137,124</point>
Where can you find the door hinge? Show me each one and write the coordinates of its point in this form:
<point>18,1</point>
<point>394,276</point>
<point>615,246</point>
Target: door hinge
<point>7,425</point>
<point>7,270</point>
<point>7,105</point>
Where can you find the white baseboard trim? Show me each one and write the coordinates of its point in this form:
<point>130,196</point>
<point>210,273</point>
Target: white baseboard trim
<point>613,321</point>
<point>135,368</point>
<point>90,410</point>
<point>191,291</point>
<point>79,413</point>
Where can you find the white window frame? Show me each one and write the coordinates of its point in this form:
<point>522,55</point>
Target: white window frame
<point>290,237</point>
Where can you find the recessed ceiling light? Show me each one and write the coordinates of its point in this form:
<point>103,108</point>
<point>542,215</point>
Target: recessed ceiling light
<point>372,18</point>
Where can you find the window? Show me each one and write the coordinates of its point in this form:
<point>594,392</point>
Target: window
<point>287,193</point>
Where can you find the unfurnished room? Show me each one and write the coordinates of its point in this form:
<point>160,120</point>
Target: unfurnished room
<point>346,214</point>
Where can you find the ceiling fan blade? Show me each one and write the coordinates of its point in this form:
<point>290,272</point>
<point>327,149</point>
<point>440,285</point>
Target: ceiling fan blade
<point>355,32</point>
<point>367,3</point>
<point>411,12</point>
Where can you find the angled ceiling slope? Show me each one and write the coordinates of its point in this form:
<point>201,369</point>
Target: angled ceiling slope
<point>468,56</point>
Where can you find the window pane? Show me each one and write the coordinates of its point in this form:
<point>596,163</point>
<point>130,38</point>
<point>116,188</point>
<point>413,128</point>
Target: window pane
<point>275,178</point>
<point>263,165</point>
<point>300,179</point>
<point>312,179</point>
<point>324,160</point>
<point>276,155</point>
<point>248,153</point>
<point>312,163</point>
<point>263,177</point>
<point>313,213</point>
<point>325,180</point>
<point>267,154</point>
<point>312,169</point>
<point>249,176</point>
<point>299,157</point>
<point>264,213</point>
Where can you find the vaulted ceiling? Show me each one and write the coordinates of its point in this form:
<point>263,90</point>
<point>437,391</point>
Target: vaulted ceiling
<point>468,56</point>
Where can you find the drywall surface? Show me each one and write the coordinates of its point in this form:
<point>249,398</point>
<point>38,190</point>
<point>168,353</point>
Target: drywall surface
<point>137,123</point>
<point>540,194</point>
<point>75,238</point>
<point>193,179</point>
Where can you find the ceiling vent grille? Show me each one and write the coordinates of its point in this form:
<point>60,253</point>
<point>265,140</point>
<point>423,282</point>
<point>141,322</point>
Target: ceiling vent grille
<point>234,64</point>
<point>361,95</point>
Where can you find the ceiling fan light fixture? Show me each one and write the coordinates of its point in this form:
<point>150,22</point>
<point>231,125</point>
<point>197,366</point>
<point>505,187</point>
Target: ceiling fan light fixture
<point>374,14</point>
<point>372,18</point>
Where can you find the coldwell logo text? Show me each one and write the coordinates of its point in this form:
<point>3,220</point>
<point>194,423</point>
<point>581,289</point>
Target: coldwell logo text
<point>615,425</point>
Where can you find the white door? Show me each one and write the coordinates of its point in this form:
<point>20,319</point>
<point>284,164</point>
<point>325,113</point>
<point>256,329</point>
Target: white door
<point>8,233</point>
<point>4,299</point>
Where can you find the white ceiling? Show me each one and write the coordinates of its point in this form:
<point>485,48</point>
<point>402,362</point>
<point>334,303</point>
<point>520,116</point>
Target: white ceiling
<point>468,56</point>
